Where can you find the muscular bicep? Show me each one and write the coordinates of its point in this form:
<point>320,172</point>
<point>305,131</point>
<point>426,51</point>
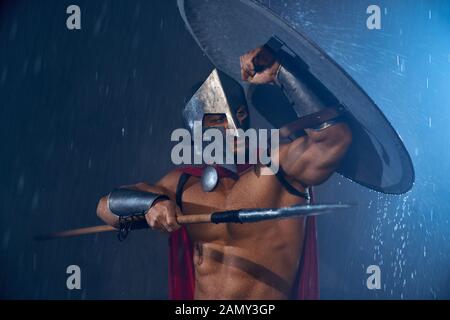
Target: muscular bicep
<point>314,158</point>
<point>166,185</point>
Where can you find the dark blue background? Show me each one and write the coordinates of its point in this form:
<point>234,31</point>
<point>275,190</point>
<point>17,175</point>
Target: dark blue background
<point>83,111</point>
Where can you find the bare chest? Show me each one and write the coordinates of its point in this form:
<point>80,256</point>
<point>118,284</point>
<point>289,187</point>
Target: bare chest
<point>250,191</point>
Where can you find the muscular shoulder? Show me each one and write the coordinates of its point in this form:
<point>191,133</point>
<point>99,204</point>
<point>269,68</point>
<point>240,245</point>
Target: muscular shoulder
<point>313,158</point>
<point>167,185</point>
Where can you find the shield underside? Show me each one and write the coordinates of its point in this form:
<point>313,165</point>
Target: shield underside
<point>227,29</point>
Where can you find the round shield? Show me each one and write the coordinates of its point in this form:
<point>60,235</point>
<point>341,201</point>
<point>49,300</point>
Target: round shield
<point>226,30</point>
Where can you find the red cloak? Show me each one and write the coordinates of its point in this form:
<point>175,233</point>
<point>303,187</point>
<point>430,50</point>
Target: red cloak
<point>181,267</point>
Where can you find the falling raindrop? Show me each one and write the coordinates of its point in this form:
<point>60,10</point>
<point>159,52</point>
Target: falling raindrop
<point>5,73</point>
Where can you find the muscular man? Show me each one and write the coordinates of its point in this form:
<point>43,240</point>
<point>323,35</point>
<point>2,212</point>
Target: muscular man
<point>252,261</point>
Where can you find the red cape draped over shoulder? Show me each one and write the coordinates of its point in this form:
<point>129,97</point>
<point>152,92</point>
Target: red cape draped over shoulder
<point>181,267</point>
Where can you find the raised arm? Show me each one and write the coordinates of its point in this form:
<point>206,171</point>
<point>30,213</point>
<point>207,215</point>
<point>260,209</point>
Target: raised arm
<point>320,137</point>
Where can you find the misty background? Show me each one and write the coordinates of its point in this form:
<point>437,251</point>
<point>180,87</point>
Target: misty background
<point>87,110</point>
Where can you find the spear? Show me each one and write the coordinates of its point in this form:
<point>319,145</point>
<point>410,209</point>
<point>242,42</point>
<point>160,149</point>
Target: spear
<point>231,216</point>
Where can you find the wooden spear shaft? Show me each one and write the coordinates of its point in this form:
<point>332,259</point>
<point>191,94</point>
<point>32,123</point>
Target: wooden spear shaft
<point>182,220</point>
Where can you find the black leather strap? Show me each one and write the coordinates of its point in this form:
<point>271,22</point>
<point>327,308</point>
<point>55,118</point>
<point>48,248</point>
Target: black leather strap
<point>180,188</point>
<point>282,179</point>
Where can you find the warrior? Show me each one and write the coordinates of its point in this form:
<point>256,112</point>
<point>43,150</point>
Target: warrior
<point>261,260</point>
<point>327,124</point>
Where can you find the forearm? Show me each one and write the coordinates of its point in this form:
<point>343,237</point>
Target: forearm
<point>315,106</point>
<point>129,200</point>
<point>306,94</point>
<point>166,187</point>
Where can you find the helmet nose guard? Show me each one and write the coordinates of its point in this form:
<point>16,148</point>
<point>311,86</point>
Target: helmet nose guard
<point>219,94</point>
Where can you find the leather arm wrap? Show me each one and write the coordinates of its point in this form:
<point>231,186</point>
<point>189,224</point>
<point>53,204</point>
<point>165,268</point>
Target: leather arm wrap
<point>301,91</point>
<point>128,203</point>
<point>305,92</point>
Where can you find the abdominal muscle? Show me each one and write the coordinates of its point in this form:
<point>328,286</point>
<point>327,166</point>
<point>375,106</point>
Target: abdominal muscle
<point>262,267</point>
<point>249,261</point>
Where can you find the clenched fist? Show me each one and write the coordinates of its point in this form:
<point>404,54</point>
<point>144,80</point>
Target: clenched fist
<point>162,216</point>
<point>259,66</point>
